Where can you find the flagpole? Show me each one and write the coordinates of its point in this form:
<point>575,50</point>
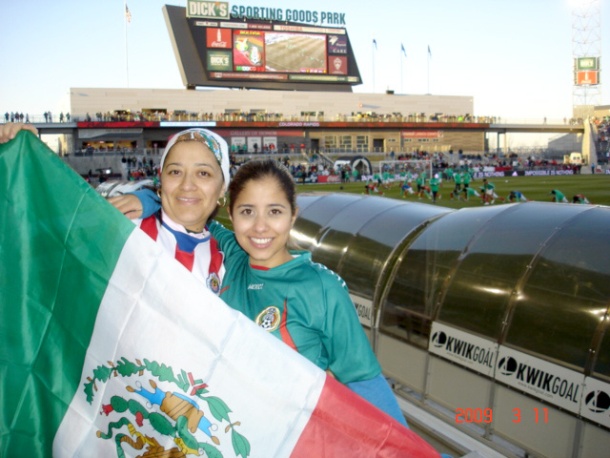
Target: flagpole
<point>126,46</point>
<point>374,46</point>
<point>428,69</point>
<point>403,53</point>
<point>401,65</point>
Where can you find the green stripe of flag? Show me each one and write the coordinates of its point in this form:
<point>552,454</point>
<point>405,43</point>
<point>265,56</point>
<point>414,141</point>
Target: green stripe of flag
<point>46,288</point>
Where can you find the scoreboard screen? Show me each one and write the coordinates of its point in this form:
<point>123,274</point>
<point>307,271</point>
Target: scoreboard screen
<point>261,54</point>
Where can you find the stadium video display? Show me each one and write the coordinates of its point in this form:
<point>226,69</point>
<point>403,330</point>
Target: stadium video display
<point>255,51</point>
<point>238,53</point>
<point>295,52</point>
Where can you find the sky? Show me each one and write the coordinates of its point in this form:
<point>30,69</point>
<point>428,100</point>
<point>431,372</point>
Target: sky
<point>513,56</point>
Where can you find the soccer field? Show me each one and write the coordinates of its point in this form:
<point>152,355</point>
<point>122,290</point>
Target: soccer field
<point>595,187</point>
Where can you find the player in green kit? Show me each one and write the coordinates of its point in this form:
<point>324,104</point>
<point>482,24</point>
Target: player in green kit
<point>435,184</point>
<point>489,192</point>
<point>558,196</point>
<point>470,192</point>
<point>406,184</point>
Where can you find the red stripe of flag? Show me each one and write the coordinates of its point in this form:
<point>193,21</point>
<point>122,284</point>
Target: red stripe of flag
<point>369,432</point>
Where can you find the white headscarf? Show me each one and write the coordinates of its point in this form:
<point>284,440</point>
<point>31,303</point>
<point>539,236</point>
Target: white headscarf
<point>213,141</point>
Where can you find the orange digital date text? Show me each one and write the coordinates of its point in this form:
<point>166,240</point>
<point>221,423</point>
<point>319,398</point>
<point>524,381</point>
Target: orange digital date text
<point>485,415</point>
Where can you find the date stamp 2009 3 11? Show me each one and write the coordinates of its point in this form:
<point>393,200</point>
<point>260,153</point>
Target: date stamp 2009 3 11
<point>485,415</point>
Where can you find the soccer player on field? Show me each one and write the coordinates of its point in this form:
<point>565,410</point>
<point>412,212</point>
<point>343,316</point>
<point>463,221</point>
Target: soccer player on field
<point>466,178</point>
<point>558,196</point>
<point>434,186</point>
<point>421,183</point>
<point>580,199</point>
<point>516,196</point>
<point>406,185</point>
<point>470,192</point>
<point>457,177</point>
<point>489,192</point>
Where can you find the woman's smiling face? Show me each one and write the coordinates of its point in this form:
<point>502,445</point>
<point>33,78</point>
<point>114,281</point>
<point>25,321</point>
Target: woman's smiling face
<point>262,219</point>
<point>191,184</point>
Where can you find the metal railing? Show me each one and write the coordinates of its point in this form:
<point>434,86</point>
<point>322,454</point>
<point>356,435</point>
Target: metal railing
<point>279,117</point>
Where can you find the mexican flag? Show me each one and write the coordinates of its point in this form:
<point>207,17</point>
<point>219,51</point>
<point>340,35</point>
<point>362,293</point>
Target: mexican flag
<point>109,347</point>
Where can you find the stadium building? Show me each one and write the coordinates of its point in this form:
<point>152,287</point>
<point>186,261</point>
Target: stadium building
<point>317,120</point>
<point>258,78</point>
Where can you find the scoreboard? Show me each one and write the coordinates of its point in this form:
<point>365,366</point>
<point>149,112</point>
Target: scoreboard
<point>265,54</point>
<point>586,71</point>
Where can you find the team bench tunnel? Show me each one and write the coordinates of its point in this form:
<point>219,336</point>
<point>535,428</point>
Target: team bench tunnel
<point>493,318</point>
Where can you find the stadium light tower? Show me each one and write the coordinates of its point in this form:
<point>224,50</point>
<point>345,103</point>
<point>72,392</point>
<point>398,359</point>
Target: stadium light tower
<point>586,53</point>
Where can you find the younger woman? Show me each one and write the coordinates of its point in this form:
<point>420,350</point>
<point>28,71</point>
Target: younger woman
<point>301,302</point>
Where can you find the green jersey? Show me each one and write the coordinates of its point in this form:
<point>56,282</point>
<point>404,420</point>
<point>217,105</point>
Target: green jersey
<point>489,186</point>
<point>470,192</point>
<point>302,303</point>
<point>559,196</point>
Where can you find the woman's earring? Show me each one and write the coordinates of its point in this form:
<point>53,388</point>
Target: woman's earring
<point>224,201</point>
<point>159,192</point>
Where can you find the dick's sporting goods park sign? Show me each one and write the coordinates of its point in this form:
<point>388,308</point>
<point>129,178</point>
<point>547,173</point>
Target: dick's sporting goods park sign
<point>223,10</point>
